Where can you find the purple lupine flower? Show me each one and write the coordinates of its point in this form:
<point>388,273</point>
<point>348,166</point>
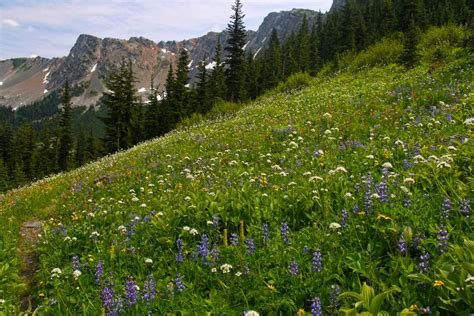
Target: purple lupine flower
<point>345,216</point>
<point>215,222</point>
<point>265,234</point>
<point>356,209</point>
<point>317,263</point>
<point>294,267</point>
<point>99,271</point>
<point>250,246</point>
<point>446,208</point>
<point>382,189</point>
<point>356,188</point>
<point>203,247</point>
<point>131,294</point>
<point>334,299</point>
<point>424,264</point>
<point>416,241</point>
<point>107,295</point>
<point>425,310</point>
<point>465,207</point>
<point>316,307</point>
<point>234,239</point>
<point>407,202</point>
<point>246,270</point>
<point>215,253</point>
<point>402,247</point>
<point>76,264</point>
<point>368,204</point>
<point>53,302</point>
<point>149,289</point>
<point>284,233</point>
<point>180,287</point>
<point>179,255</point>
<point>442,239</point>
<point>407,164</point>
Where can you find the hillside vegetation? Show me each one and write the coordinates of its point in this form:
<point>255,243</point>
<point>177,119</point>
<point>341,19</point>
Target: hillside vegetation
<point>353,193</point>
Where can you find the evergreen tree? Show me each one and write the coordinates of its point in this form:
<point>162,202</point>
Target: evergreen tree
<point>24,143</point>
<point>121,102</point>
<point>290,63</point>
<point>168,115</point>
<point>314,59</point>
<point>152,117</point>
<point>302,47</point>
<point>203,101</point>
<point>235,53</point>
<point>273,65</point>
<point>217,81</point>
<point>91,147</point>
<point>410,56</point>
<point>80,154</point>
<point>4,182</point>
<point>65,133</point>
<point>252,87</point>
<point>180,90</point>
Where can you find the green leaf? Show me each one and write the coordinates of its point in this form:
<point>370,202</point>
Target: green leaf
<point>377,301</point>
<point>367,295</point>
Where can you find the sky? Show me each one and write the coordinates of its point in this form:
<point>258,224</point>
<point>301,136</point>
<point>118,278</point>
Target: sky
<point>49,28</point>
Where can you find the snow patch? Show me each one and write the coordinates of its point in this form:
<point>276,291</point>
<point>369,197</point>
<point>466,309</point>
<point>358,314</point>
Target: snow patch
<point>211,65</point>
<point>46,69</point>
<point>245,46</point>
<point>141,90</point>
<point>94,67</point>
<point>147,101</point>
<point>187,85</point>
<point>1,83</point>
<point>45,80</point>
<point>15,108</point>
<point>33,56</point>
<point>164,50</point>
<point>191,63</point>
<point>258,51</point>
<point>45,91</point>
<point>263,41</point>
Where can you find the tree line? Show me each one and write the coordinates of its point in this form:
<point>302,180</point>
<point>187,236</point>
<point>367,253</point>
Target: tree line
<point>234,75</point>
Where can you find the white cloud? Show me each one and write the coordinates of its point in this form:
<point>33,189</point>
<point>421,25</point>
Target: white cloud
<point>10,22</point>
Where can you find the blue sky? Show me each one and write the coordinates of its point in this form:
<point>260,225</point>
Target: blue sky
<point>49,28</point>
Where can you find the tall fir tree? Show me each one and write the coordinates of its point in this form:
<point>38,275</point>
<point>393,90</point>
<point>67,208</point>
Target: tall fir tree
<point>217,80</point>
<point>180,89</point>
<point>121,102</point>
<point>80,152</point>
<point>65,133</point>
<point>235,54</point>
<point>273,65</point>
<point>91,147</point>
<point>152,116</point>
<point>203,100</point>
<point>168,114</point>
<point>314,58</point>
<point>302,46</point>
<point>4,179</point>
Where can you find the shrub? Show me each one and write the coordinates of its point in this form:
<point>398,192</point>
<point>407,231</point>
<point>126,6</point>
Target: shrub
<point>385,52</point>
<point>296,81</point>
<point>440,43</point>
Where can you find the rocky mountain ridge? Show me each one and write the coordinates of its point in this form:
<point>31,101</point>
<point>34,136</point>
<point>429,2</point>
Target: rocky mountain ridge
<point>26,80</point>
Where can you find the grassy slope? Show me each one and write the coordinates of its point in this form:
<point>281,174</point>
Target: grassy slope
<point>257,167</point>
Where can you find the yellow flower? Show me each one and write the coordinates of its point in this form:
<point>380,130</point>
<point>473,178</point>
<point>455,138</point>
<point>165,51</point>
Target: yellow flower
<point>300,312</point>
<point>271,287</point>
<point>384,217</point>
<point>361,214</point>
<point>438,283</point>
<point>414,307</point>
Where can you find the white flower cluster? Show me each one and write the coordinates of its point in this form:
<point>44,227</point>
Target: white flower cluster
<point>56,273</point>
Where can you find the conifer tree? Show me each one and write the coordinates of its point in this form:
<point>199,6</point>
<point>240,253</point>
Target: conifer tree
<point>80,154</point>
<point>91,147</point>
<point>203,101</point>
<point>314,58</point>
<point>4,182</point>
<point>180,90</point>
<point>217,80</point>
<point>235,53</point>
<point>252,74</point>
<point>65,133</point>
<point>273,66</point>
<point>152,116</point>
<point>168,115</point>
<point>303,46</point>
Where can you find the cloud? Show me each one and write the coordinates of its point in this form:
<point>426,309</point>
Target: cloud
<point>10,22</point>
<point>54,25</point>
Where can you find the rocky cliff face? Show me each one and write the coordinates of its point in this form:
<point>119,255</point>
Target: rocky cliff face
<point>91,59</point>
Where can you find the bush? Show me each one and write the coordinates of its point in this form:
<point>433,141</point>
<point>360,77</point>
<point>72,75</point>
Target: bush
<point>385,52</point>
<point>222,107</point>
<point>440,43</point>
<point>296,81</point>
